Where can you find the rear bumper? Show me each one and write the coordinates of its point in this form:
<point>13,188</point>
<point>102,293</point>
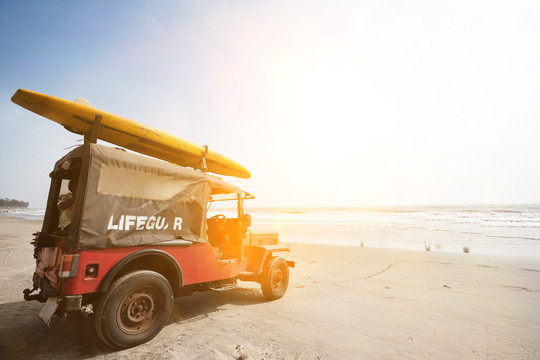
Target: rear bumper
<point>71,303</point>
<point>68,302</point>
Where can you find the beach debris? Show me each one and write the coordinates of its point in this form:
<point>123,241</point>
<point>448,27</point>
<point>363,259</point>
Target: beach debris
<point>427,245</point>
<point>466,249</point>
<point>361,243</point>
<point>446,286</point>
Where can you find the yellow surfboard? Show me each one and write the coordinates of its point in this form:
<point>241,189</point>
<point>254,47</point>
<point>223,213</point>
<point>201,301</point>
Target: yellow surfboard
<point>78,116</point>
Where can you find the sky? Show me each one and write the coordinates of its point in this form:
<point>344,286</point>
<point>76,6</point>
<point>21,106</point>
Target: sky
<point>327,103</point>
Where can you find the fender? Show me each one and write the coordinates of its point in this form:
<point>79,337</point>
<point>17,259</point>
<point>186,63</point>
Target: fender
<point>269,250</point>
<point>129,259</point>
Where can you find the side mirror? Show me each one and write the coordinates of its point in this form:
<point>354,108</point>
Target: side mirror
<point>246,221</point>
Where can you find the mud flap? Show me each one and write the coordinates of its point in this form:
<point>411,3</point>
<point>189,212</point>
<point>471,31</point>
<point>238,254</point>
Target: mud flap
<point>47,311</point>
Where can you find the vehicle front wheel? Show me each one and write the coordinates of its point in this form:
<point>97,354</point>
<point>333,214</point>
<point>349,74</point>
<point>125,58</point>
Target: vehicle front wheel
<point>134,309</point>
<point>275,278</point>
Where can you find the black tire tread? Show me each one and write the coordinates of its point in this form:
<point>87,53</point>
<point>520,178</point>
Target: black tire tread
<point>270,265</point>
<point>114,290</point>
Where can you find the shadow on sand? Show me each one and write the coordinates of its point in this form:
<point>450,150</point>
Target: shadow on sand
<point>24,336</point>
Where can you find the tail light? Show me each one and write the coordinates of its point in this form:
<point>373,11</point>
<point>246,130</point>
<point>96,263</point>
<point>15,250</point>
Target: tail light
<point>70,262</point>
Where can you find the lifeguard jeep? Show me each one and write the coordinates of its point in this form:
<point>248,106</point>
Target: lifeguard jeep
<point>139,237</point>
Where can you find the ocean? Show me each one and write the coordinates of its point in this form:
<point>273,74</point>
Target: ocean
<point>483,229</point>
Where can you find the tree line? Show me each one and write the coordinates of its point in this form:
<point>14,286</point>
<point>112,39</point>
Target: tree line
<point>5,202</point>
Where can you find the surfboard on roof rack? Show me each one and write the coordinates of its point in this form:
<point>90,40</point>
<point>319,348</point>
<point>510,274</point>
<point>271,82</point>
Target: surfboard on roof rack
<point>79,116</point>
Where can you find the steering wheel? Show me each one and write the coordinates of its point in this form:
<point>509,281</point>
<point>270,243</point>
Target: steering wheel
<point>218,220</point>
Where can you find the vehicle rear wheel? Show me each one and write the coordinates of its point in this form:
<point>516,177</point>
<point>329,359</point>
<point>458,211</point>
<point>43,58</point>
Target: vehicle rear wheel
<point>134,309</point>
<point>275,278</point>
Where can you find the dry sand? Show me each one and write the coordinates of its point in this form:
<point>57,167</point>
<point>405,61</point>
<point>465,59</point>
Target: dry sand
<point>342,303</point>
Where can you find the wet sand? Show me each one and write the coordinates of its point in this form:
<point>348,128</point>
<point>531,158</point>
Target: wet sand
<point>342,303</point>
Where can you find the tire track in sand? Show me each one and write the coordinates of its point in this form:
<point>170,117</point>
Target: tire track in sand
<point>382,271</point>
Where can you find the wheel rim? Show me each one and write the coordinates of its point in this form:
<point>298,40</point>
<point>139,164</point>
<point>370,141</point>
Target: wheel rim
<point>277,279</point>
<point>138,311</point>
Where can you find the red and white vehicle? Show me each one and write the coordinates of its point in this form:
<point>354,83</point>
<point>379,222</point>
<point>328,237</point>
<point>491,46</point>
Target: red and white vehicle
<point>139,237</point>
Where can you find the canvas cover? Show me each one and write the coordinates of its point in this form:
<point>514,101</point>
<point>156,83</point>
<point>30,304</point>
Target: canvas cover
<point>128,200</point>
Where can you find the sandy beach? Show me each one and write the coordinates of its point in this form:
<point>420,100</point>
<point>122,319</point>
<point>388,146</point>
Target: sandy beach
<point>342,303</point>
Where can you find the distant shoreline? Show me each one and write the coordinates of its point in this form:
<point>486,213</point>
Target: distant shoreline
<point>16,218</point>
<point>381,236</point>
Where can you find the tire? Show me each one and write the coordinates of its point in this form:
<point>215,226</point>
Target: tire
<point>134,309</point>
<point>275,278</point>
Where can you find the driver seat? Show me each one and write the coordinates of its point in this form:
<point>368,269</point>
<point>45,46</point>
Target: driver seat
<point>216,233</point>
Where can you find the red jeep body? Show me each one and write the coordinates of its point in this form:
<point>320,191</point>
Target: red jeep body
<point>139,236</point>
